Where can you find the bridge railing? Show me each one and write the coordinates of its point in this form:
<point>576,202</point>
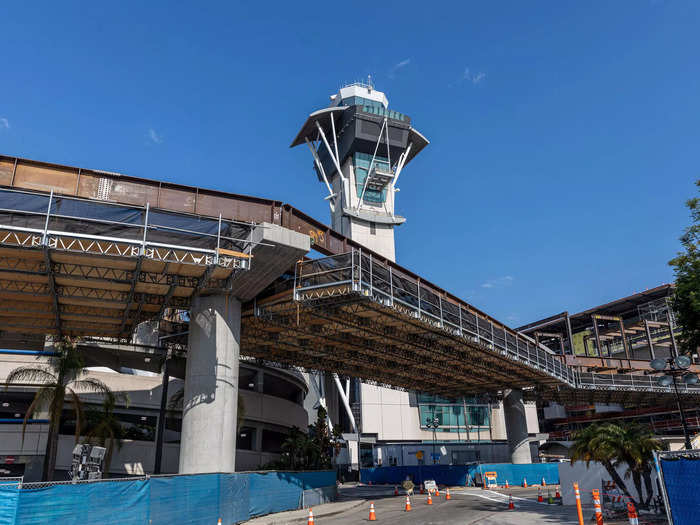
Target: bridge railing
<point>363,274</point>
<point>30,219</point>
<point>632,382</point>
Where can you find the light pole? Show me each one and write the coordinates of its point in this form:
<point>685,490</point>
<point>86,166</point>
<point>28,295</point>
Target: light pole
<point>673,367</point>
<point>433,423</point>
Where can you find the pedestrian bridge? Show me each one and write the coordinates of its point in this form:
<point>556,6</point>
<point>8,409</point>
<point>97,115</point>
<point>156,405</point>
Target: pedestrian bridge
<point>89,253</point>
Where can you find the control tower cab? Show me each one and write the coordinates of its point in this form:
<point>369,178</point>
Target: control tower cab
<point>360,147</point>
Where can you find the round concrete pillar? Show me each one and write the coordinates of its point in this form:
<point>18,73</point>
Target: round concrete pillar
<point>208,439</point>
<point>516,427</point>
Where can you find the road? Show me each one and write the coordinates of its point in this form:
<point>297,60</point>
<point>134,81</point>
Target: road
<point>468,506</point>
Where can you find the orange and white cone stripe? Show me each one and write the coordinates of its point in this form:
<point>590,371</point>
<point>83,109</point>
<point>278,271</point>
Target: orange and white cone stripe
<point>430,500</point>
<point>632,514</point>
<point>408,504</point>
<point>596,506</point>
<point>510,502</point>
<point>372,515</point>
<point>311,517</point>
<point>447,494</point>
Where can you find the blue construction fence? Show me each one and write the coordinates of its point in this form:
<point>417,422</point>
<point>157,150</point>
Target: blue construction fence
<point>462,475</point>
<point>681,475</point>
<point>190,499</point>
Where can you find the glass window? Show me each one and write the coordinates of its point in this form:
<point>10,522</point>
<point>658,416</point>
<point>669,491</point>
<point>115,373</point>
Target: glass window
<point>246,438</point>
<point>272,441</point>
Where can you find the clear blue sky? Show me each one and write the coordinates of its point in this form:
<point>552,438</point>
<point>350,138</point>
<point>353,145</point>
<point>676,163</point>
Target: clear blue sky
<point>564,135</point>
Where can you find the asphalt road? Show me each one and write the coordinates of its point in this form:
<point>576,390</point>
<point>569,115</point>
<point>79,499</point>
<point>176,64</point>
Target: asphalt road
<point>468,506</point>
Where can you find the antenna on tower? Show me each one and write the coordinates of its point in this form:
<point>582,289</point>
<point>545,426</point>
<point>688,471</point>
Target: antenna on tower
<point>369,83</point>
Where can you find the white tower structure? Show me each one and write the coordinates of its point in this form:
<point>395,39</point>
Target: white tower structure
<point>360,148</point>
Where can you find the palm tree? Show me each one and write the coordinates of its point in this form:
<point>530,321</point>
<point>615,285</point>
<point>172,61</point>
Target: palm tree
<point>613,445</point>
<point>107,431</point>
<point>63,375</point>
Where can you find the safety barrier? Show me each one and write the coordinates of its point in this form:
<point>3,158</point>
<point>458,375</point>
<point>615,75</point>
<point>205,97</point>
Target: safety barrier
<point>186,499</point>
<point>458,475</point>
<point>679,472</point>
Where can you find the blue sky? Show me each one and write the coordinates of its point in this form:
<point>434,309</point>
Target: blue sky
<point>564,135</point>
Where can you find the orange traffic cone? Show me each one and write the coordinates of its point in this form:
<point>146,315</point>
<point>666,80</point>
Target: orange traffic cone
<point>447,494</point>
<point>311,517</point>
<point>543,483</point>
<point>430,499</point>
<point>507,486</point>
<point>437,491</point>
<point>372,515</point>
<point>510,502</point>
<point>218,522</point>
<point>525,482</point>
<point>539,495</point>
<point>396,490</point>
<point>557,495</point>
<point>408,504</point>
<point>632,514</point>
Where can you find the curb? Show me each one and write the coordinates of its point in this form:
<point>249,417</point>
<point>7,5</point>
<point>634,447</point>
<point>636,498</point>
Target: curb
<point>303,519</point>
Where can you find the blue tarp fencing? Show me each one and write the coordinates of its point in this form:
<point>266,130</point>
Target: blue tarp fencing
<point>680,477</point>
<point>462,474</point>
<point>194,499</point>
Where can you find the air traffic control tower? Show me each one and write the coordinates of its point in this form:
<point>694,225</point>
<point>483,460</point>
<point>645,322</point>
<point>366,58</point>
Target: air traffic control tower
<point>360,148</point>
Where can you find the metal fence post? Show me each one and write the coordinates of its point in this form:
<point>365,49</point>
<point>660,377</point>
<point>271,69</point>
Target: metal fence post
<point>218,242</point>
<point>46,224</point>
<point>391,286</point>
<point>145,229</point>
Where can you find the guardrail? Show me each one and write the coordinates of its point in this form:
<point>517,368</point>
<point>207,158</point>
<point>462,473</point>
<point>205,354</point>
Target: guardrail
<point>365,275</point>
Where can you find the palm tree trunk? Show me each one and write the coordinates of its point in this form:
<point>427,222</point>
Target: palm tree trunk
<point>637,479</point>
<point>618,480</point>
<point>649,486</point>
<point>52,438</point>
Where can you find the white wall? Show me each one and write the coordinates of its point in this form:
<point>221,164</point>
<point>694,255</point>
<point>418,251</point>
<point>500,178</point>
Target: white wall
<point>589,478</point>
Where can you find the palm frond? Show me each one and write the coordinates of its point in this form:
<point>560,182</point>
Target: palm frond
<point>93,385</point>
<point>78,409</point>
<point>42,395</point>
<point>30,373</point>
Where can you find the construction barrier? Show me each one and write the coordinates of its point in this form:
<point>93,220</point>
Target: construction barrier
<point>457,475</point>
<point>193,499</point>
<point>680,472</point>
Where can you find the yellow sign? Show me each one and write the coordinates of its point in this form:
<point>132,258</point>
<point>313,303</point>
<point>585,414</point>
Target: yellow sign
<point>490,474</point>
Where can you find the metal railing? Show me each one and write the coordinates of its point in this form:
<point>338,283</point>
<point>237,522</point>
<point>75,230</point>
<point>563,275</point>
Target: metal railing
<point>365,275</point>
<point>362,274</point>
<point>31,219</point>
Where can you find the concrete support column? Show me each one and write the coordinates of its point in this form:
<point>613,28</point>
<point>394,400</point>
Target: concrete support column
<point>208,439</point>
<point>516,427</point>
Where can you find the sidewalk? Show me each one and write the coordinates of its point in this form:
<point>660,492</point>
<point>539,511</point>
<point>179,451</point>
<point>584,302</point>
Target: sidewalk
<point>301,516</point>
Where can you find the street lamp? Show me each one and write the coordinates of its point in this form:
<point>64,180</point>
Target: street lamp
<point>433,423</point>
<point>673,367</point>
